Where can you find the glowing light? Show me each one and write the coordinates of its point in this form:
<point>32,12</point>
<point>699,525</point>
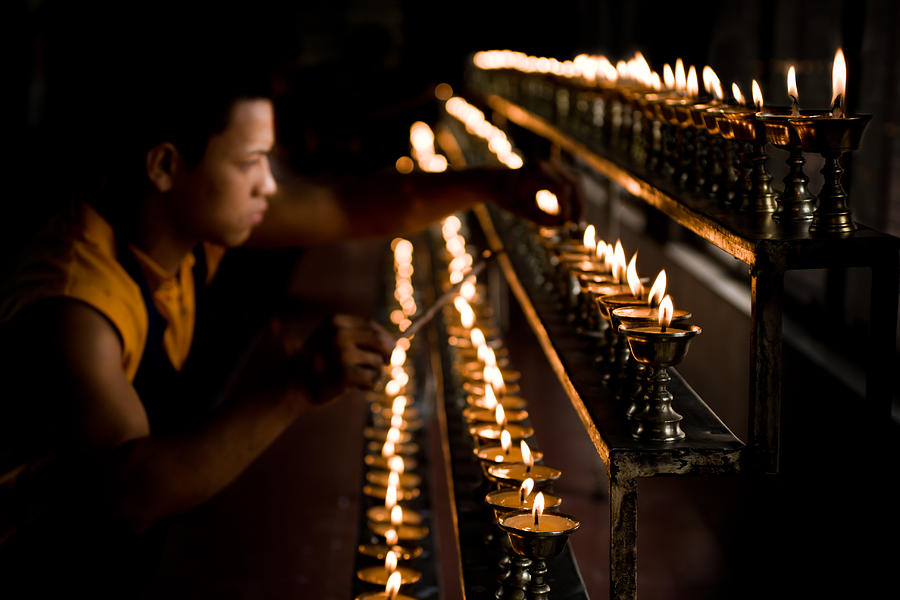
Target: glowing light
<point>390,561</point>
<point>693,87</point>
<point>395,464</point>
<point>757,95</point>
<point>398,356</point>
<point>619,264</point>
<point>388,449</point>
<point>680,79</point>
<point>525,489</point>
<point>404,165</point>
<point>391,538</point>
<point>590,237</point>
<point>392,588</point>
<point>443,91</point>
<point>390,497</point>
<point>658,289</point>
<point>505,441</point>
<point>711,83</point>
<point>634,281</point>
<point>547,202</point>
<point>668,77</point>
<point>527,456</point>
<point>490,399</point>
<point>792,91</point>
<point>477,337</point>
<point>397,516</point>
<point>537,510</point>
<point>500,415</point>
<point>736,92</point>
<point>839,85</point>
<point>666,310</point>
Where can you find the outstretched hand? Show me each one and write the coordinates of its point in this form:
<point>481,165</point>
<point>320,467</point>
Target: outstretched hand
<point>344,352</point>
<point>550,175</point>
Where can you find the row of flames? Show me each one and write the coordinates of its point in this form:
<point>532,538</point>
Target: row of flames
<point>395,390</point>
<point>468,303</point>
<point>598,70</point>
<point>613,258</point>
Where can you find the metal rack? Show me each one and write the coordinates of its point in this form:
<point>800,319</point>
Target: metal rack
<point>769,251</point>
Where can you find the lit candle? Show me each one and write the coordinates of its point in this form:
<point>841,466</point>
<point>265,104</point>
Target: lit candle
<point>757,96</point>
<point>525,490</point>
<point>547,202</point>
<point>527,458</point>
<point>665,313</point>
<point>792,91</point>
<point>736,93</point>
<point>538,509</point>
<point>839,85</point>
<point>658,289</point>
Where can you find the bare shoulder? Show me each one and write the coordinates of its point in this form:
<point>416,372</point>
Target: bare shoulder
<point>72,357</point>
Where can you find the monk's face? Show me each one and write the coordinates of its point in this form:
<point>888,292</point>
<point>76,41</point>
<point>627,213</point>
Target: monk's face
<point>223,197</point>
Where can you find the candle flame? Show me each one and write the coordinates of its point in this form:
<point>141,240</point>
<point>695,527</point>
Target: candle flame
<point>486,355</point>
<point>477,337</point>
<point>547,202</point>
<point>394,479</point>
<point>398,356</point>
<point>527,456</point>
<point>600,253</point>
<point>634,281</point>
<point>505,441</point>
<point>655,81</point>
<point>468,290</point>
<point>500,415</point>
<point>792,89</point>
<point>525,489</point>
<point>668,76</point>
<point>397,515</point>
<point>398,405</point>
<point>397,421</point>
<point>736,92</point>
<point>680,79</point>
<point>589,240</point>
<point>490,399</point>
<point>420,136</point>
<point>537,509</point>
<point>395,464</point>
<point>390,497</point>
<point>839,85</point>
<point>393,435</point>
<point>390,561</point>
<point>666,309</point>
<point>757,95</point>
<point>693,87</point>
<point>387,449</point>
<point>392,588</point>
<point>711,83</point>
<point>391,538</point>
<point>619,265</point>
<point>658,289</point>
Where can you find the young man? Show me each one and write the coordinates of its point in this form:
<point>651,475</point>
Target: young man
<point>106,436</point>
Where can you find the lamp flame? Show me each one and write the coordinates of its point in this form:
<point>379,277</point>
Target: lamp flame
<point>390,497</point>
<point>398,356</point>
<point>390,561</point>
<point>680,79</point>
<point>693,87</point>
<point>757,95</point>
<point>477,337</point>
<point>392,588</point>
<point>398,405</point>
<point>525,489</point>
<point>658,289</point>
<point>711,83</point>
<point>388,449</point>
<point>792,91</point>
<point>547,202</point>
<point>634,281</point>
<point>527,456</point>
<point>505,441</point>
<point>397,515</point>
<point>394,479</point>
<point>397,421</point>
<point>666,309</point>
<point>668,76</point>
<point>619,263</point>
<point>839,85</point>
<point>395,464</point>
<point>391,538</point>
<point>490,399</point>
<point>590,237</point>
<point>393,435</point>
<point>486,355</point>
<point>736,92</point>
<point>538,509</point>
<point>500,415</point>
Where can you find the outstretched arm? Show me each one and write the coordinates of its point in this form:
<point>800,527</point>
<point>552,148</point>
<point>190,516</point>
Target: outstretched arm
<point>304,213</point>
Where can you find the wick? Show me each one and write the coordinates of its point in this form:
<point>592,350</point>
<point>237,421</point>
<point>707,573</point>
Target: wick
<point>795,106</point>
<point>527,469</point>
<point>837,109</point>
<point>522,496</point>
<point>662,328</point>
<point>535,520</point>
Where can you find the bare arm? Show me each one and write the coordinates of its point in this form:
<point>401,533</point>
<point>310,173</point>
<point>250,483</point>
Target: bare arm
<point>141,477</point>
<point>304,213</point>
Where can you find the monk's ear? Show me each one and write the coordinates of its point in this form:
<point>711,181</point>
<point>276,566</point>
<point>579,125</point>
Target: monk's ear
<point>163,162</point>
